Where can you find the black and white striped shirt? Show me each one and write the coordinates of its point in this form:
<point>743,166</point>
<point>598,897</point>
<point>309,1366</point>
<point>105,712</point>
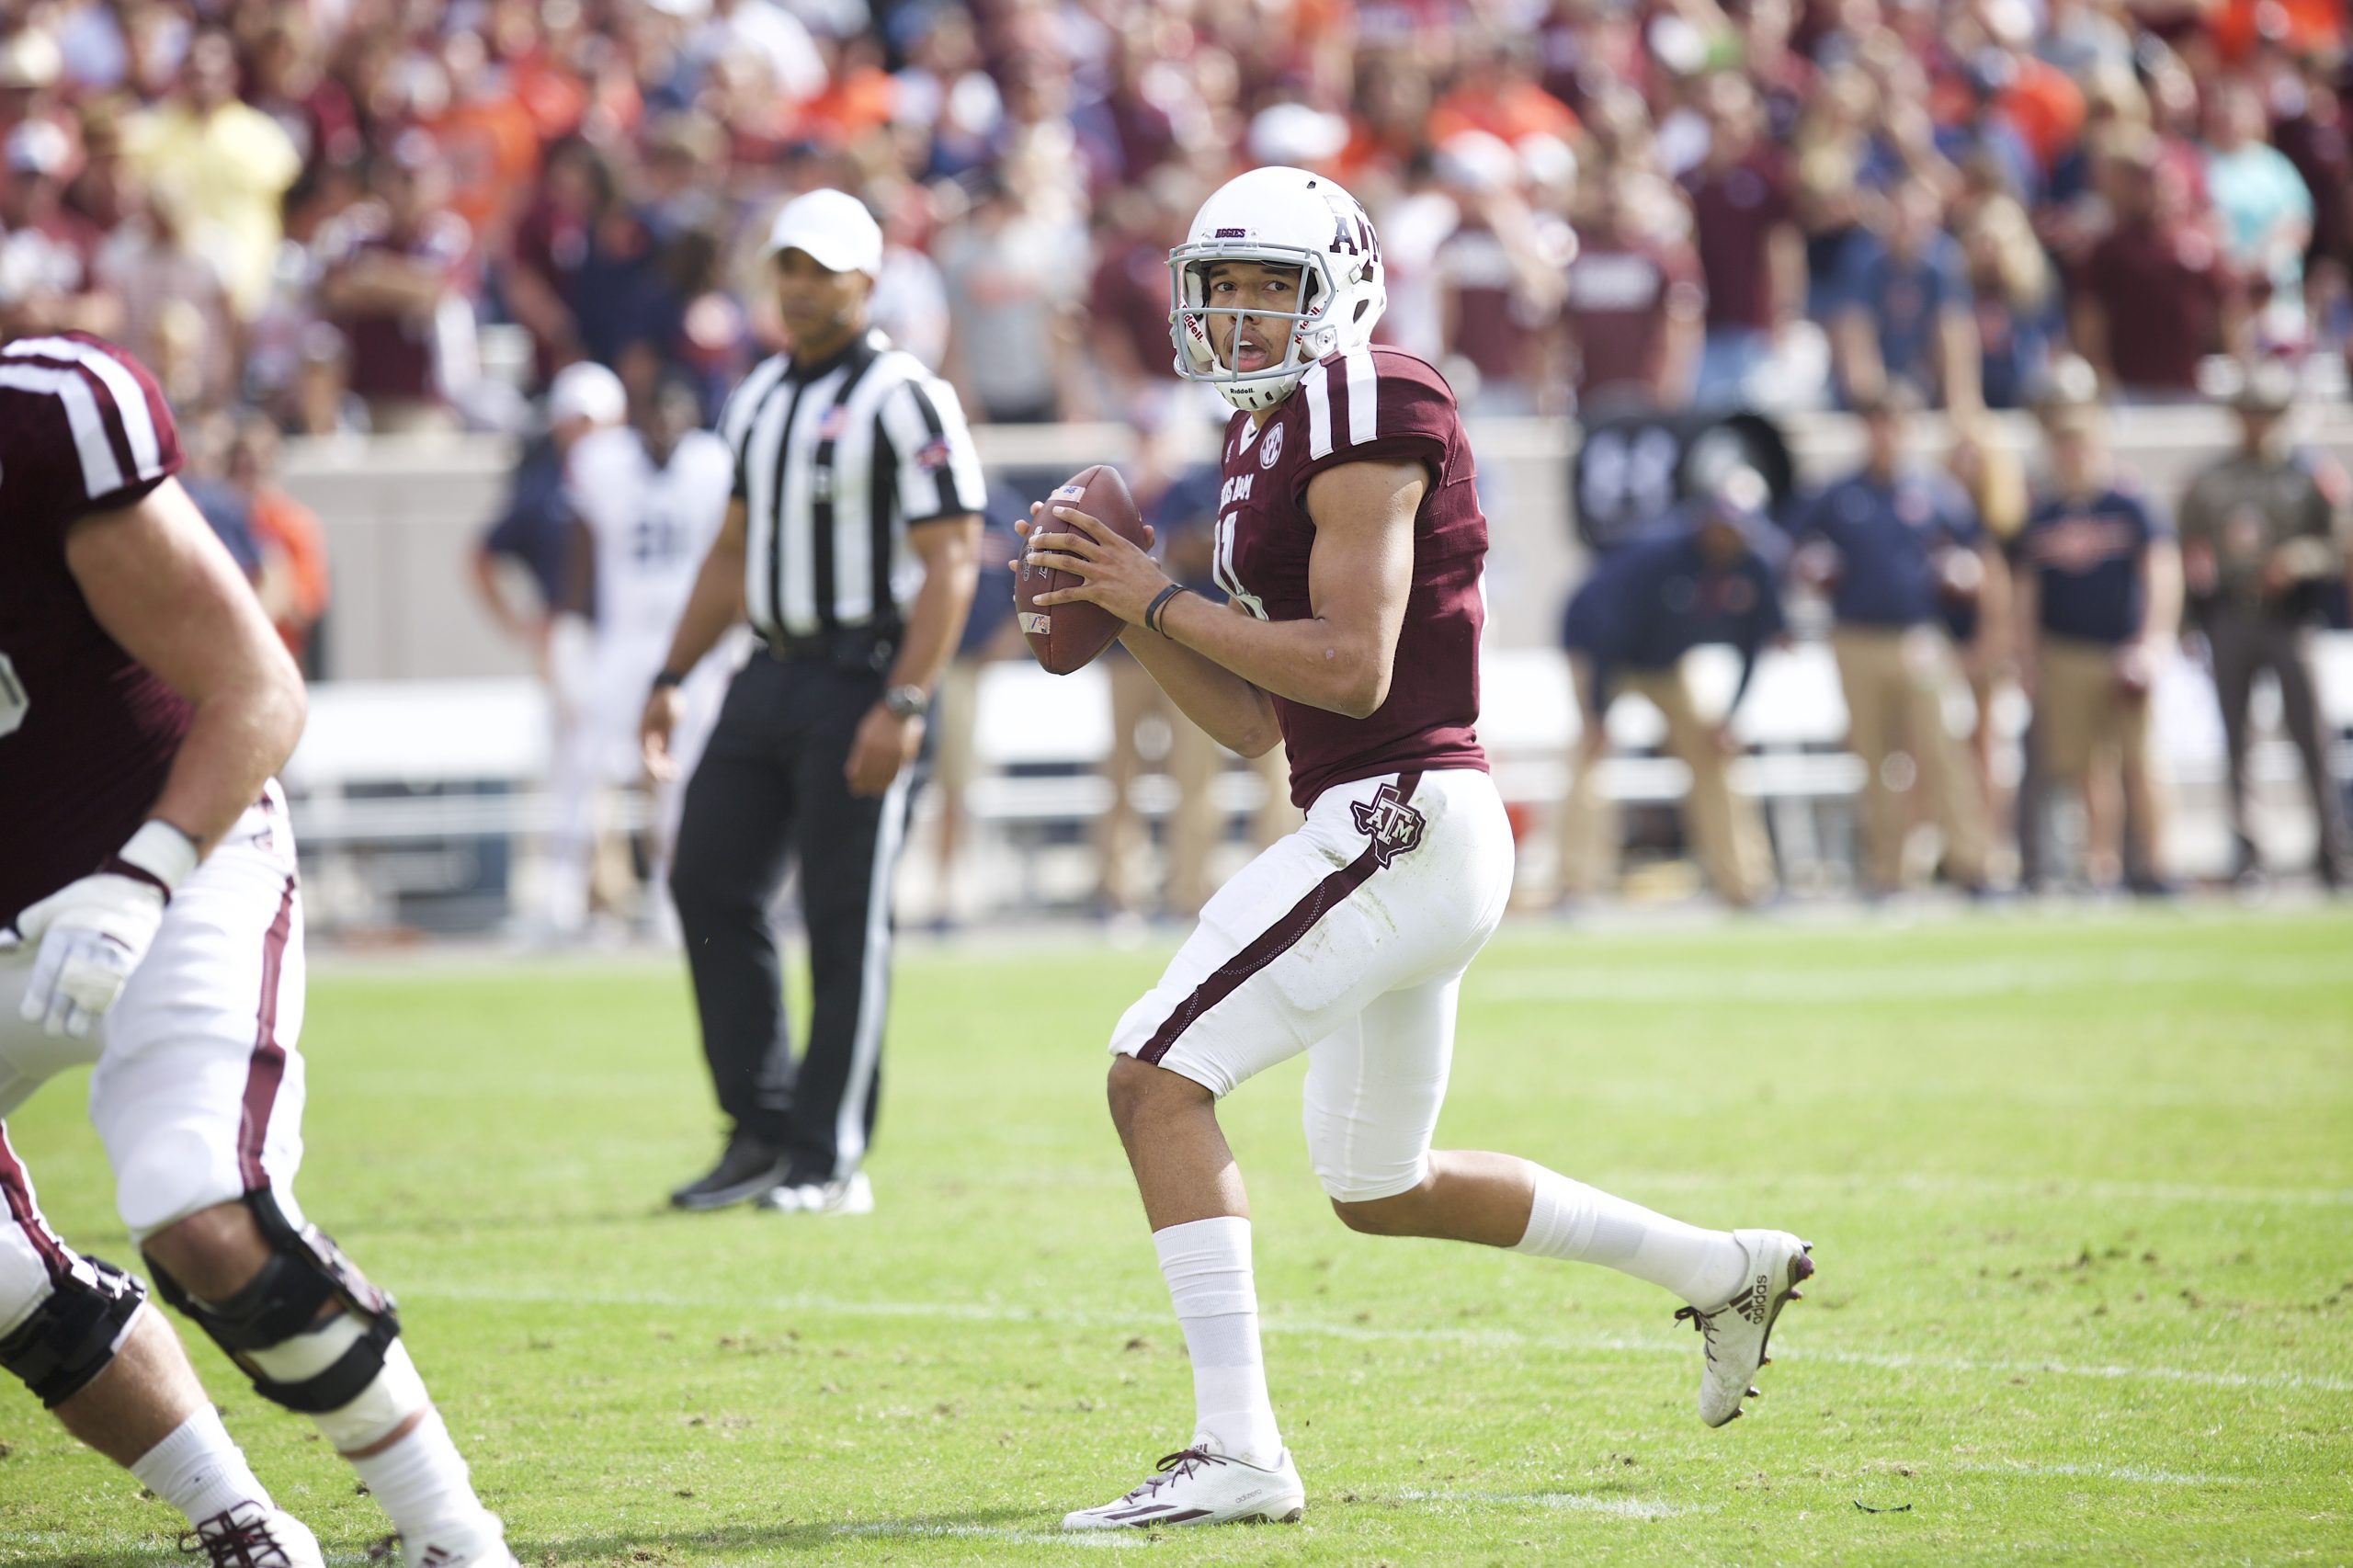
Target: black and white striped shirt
<point>835,461</point>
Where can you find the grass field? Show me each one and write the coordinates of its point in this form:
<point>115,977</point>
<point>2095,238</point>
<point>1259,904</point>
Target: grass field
<point>2082,1193</point>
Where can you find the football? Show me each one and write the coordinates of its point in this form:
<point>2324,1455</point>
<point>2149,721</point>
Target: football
<point>1069,636</point>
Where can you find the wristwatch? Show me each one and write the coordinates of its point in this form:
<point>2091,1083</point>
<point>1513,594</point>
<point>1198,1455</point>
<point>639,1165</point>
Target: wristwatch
<point>906,701</point>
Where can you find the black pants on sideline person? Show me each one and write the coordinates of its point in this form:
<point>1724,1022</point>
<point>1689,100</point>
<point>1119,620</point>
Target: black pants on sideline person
<point>2243,646</point>
<point>770,787</point>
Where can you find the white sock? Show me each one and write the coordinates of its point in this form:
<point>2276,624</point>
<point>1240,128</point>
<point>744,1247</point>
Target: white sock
<point>1207,1265</point>
<point>1583,1224</point>
<point>421,1481</point>
<point>198,1470</point>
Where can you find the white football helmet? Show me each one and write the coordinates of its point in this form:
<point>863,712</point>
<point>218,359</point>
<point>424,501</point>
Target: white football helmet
<point>1282,217</point>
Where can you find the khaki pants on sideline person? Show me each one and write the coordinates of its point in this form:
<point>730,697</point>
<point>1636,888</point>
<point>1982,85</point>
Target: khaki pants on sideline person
<point>2088,730</point>
<point>1895,683</point>
<point>1726,830</point>
<point>2084,714</point>
<point>1193,764</point>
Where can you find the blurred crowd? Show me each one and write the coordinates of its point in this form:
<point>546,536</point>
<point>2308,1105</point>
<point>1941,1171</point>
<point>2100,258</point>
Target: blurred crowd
<point>371,214</point>
<point>322,217</point>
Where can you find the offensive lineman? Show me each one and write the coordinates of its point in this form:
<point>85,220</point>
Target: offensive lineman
<point>1350,544</point>
<point>149,924</point>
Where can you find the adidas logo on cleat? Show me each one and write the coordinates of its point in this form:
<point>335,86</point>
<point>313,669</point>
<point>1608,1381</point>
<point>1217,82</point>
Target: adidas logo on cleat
<point>1755,1299</point>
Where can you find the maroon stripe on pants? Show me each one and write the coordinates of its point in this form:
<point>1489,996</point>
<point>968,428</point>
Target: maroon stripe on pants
<point>19,1188</point>
<point>268,1068</point>
<point>1272,943</point>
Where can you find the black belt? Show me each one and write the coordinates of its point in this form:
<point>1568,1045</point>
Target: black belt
<point>847,647</point>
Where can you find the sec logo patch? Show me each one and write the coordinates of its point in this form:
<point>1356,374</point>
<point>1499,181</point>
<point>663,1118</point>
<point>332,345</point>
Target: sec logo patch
<point>1271,452</point>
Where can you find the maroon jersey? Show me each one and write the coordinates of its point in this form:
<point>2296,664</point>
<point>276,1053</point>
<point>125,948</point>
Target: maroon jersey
<point>1365,405</point>
<point>1622,293</point>
<point>86,734</point>
<point>2165,294</point>
<point>1734,213</point>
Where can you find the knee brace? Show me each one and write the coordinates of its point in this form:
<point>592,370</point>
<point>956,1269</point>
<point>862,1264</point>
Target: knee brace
<point>75,1331</point>
<point>310,1330</point>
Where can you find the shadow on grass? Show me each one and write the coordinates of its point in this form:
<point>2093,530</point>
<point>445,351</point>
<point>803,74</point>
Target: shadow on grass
<point>358,1229</point>
<point>782,1535</point>
<point>662,1546</point>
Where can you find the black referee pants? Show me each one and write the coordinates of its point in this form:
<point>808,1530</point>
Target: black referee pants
<point>770,786</point>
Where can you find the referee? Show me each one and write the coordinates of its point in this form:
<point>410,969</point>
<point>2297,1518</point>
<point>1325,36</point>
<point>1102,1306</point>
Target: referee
<point>852,545</point>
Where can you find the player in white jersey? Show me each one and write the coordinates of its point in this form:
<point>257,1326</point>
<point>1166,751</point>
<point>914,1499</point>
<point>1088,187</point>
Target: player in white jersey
<point>650,497</point>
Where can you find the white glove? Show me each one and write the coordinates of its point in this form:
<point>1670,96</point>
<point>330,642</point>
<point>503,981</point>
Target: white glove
<point>93,932</point>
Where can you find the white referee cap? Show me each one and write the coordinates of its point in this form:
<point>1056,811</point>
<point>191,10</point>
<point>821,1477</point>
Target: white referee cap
<point>835,230</point>
<point>586,391</point>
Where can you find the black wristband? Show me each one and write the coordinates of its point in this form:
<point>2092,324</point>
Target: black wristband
<point>667,679</point>
<point>1151,611</point>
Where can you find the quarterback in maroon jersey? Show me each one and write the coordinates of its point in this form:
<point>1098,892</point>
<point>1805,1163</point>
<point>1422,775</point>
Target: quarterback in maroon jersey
<point>151,926</point>
<point>1349,548</point>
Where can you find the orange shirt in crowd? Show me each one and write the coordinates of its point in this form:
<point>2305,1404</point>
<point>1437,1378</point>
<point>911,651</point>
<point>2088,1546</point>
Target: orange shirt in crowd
<point>1522,108</point>
<point>282,523</point>
<point>492,146</point>
<point>2042,104</point>
<point>850,106</point>
<point>554,96</point>
<point>2047,108</point>
<point>2310,25</point>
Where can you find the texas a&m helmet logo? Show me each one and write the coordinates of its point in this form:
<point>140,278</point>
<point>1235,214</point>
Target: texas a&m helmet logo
<point>1394,827</point>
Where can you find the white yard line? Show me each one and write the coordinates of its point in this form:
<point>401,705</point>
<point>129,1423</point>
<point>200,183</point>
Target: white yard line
<point>2298,1381</point>
<point>1558,1501</point>
<point>1490,1339</point>
<point>2138,1474</point>
<point>1609,982</point>
<point>1097,1538</point>
<point>2055,1189</point>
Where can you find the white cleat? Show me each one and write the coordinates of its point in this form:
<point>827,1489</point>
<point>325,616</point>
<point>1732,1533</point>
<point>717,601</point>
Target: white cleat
<point>250,1535</point>
<point>1203,1485</point>
<point>1738,1330</point>
<point>479,1544</point>
<point>852,1194</point>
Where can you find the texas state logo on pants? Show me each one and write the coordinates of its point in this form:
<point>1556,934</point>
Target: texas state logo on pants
<point>1346,940</point>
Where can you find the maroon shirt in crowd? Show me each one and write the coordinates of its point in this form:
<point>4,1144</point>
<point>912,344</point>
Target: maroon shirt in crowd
<point>2163,292</point>
<point>1621,294</point>
<point>2323,153</point>
<point>392,351</point>
<point>1734,211</point>
<point>1129,295</point>
<point>1367,405</point>
<point>86,734</point>
<point>1486,330</point>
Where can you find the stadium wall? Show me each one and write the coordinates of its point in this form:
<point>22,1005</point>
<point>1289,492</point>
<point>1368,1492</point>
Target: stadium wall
<point>402,515</point>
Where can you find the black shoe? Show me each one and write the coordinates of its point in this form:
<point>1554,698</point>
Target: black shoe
<point>747,1168</point>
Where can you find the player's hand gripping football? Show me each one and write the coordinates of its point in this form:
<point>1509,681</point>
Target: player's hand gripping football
<point>1111,572</point>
